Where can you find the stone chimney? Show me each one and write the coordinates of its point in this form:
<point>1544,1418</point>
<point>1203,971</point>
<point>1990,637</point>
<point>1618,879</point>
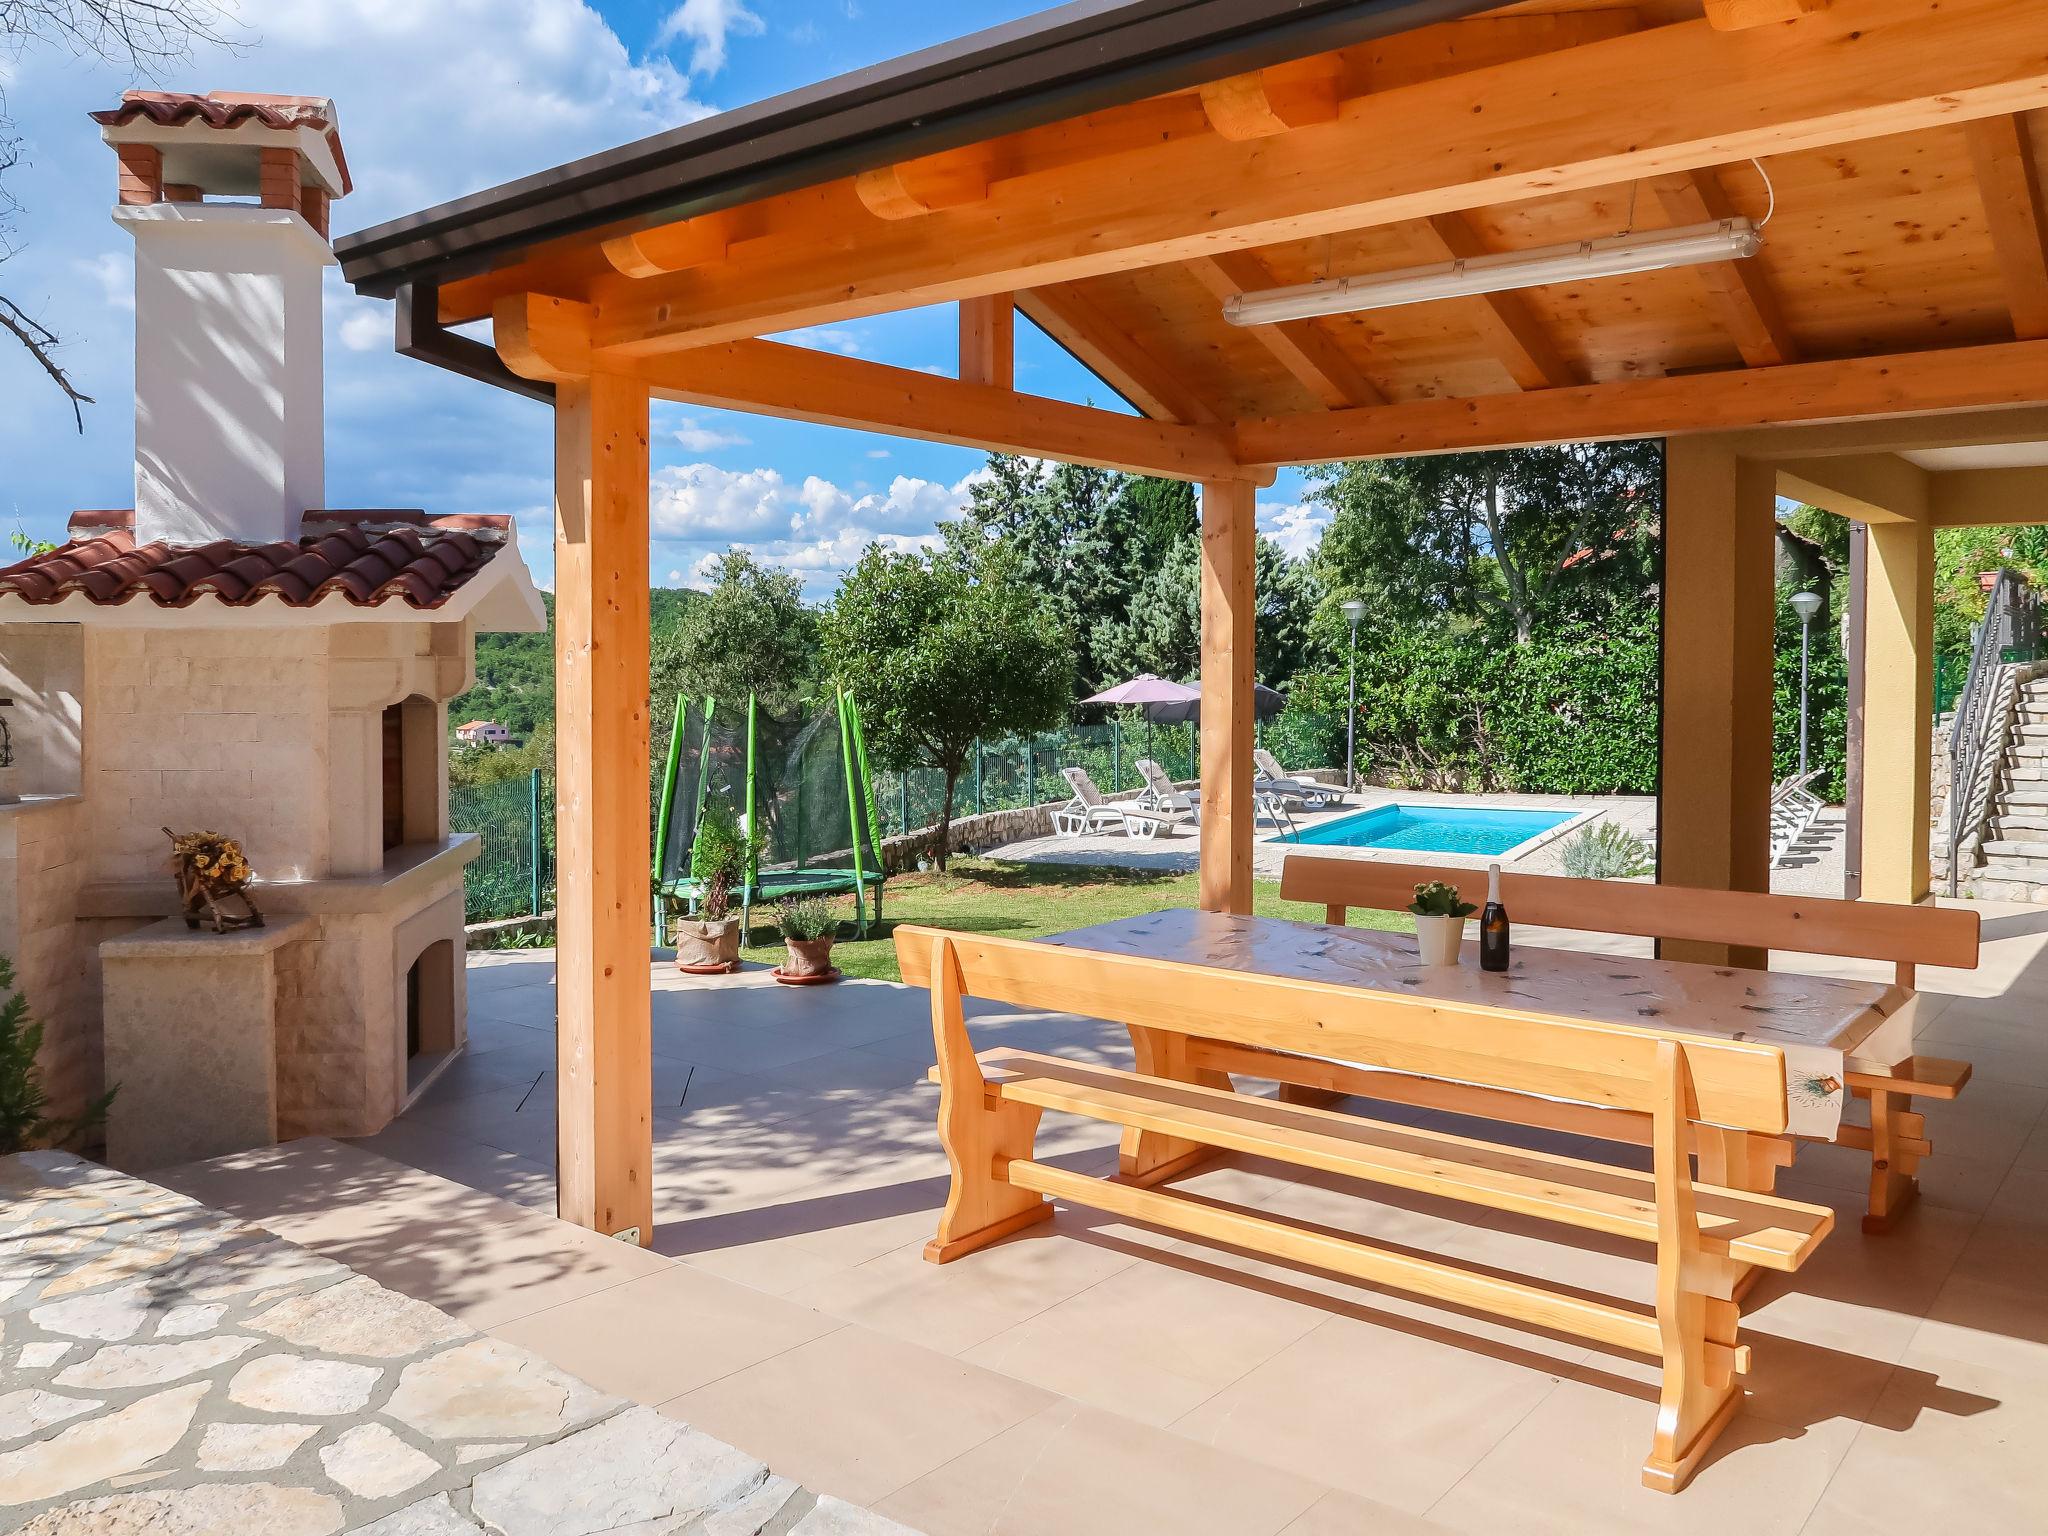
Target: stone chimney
<point>226,197</point>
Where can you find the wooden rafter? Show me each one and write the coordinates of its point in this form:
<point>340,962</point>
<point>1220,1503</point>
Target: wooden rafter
<point>2002,151</point>
<point>543,338</point>
<point>1735,15</point>
<point>1505,322</point>
<point>694,242</point>
<point>1114,356</point>
<point>914,187</point>
<point>1274,100</point>
<point>1488,136</point>
<point>1740,289</point>
<point>1961,378</point>
<point>1304,348</point>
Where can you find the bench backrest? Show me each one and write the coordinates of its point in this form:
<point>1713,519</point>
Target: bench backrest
<point>1809,925</point>
<point>1740,1085</point>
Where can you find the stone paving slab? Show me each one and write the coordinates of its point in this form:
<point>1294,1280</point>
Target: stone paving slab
<point>165,1369</point>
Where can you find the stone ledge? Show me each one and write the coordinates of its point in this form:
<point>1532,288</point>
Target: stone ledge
<point>170,939</point>
<point>410,872</point>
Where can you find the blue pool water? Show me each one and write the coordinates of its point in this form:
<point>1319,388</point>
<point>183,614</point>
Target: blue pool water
<point>1436,828</point>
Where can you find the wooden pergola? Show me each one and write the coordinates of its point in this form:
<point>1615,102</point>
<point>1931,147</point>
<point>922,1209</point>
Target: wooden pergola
<point>1117,172</point>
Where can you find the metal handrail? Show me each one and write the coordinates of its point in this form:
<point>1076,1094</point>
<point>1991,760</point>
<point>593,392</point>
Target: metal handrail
<point>1965,742</point>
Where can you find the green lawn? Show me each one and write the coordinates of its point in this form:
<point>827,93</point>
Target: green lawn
<point>1022,901</point>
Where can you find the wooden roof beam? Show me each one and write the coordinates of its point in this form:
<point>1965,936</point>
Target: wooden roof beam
<point>672,247</point>
<point>1487,136</point>
<point>1114,356</point>
<point>1740,290</point>
<point>547,338</point>
<point>1735,15</point>
<point>1303,347</point>
<point>2002,151</point>
<point>1506,324</point>
<point>1958,379</point>
<point>1275,100</point>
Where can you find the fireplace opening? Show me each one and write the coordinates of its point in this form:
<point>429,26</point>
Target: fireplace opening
<point>429,1011</point>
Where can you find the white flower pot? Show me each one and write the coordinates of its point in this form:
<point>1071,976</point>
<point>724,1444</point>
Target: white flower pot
<point>1439,939</point>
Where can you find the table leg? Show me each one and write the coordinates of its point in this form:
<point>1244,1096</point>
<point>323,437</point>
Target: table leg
<point>1739,1160</point>
<point>1149,1157</point>
<point>1897,1136</point>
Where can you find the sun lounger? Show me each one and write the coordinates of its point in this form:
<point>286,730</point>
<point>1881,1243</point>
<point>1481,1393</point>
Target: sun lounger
<point>1091,811</point>
<point>1161,796</point>
<point>1275,780</point>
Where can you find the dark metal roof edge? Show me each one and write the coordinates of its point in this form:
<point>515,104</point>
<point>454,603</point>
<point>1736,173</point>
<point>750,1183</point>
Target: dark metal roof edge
<point>1076,59</point>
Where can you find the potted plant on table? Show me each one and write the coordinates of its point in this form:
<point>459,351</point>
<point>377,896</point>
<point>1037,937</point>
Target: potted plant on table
<point>809,928</point>
<point>709,942</point>
<point>1439,922</point>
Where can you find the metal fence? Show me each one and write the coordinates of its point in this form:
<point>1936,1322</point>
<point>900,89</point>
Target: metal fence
<point>514,876</point>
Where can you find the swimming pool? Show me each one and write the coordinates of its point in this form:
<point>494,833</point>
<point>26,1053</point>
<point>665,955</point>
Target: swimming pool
<point>1437,828</point>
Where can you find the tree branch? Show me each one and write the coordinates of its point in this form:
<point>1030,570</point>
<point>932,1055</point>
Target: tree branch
<point>41,342</point>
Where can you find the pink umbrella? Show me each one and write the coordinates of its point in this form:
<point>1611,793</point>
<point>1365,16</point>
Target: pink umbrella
<point>1147,689</point>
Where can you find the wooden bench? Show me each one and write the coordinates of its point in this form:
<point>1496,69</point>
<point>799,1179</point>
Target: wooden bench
<point>1687,919</point>
<point>1706,1238</point>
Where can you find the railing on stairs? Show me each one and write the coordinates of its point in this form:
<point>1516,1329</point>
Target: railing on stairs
<point>2009,606</point>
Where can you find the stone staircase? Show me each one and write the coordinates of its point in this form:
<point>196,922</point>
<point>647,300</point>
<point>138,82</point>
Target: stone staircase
<point>2010,862</point>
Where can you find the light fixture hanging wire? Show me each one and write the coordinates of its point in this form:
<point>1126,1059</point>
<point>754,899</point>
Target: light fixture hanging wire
<point>1635,186</point>
<point>1771,207</point>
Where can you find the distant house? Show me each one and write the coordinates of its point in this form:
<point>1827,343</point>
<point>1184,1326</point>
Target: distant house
<point>483,733</point>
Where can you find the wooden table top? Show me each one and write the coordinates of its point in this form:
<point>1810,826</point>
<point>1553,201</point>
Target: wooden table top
<point>1821,1023</point>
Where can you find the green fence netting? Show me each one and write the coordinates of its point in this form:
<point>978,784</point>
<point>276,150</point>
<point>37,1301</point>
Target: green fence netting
<point>514,876</point>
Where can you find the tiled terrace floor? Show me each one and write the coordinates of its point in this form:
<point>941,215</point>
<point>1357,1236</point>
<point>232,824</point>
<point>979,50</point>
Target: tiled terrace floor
<point>1094,1376</point>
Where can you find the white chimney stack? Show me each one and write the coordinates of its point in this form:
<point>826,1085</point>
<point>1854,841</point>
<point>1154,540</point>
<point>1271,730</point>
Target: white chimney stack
<point>226,198</point>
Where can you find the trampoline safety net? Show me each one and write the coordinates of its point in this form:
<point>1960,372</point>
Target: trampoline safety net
<point>798,783</point>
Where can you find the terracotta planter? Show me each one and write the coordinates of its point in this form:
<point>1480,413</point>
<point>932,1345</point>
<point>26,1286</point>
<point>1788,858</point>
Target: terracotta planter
<point>807,957</point>
<point>704,946</point>
<point>1439,939</point>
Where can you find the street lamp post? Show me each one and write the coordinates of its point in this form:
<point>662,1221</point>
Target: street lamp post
<point>1806,605</point>
<point>1353,612</point>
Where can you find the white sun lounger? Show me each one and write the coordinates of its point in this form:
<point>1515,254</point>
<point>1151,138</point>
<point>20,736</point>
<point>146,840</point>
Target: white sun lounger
<point>1090,811</point>
<point>1160,795</point>
<point>1275,780</point>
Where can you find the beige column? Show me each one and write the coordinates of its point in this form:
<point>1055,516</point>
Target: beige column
<point>1898,710</point>
<point>1714,784</point>
<point>604,914</point>
<point>1229,607</point>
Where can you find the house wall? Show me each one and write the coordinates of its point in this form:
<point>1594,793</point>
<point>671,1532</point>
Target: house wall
<point>41,843</point>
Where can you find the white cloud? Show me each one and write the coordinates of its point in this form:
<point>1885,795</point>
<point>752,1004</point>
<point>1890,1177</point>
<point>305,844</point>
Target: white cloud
<point>114,271</point>
<point>879,453</point>
<point>366,327</point>
<point>814,527</point>
<point>707,24</point>
<point>825,338</point>
<point>1295,526</point>
<point>696,437</point>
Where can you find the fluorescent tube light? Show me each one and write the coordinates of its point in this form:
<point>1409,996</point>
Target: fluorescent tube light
<point>1609,256</point>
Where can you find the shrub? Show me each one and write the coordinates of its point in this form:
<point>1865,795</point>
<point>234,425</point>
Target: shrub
<point>22,1121</point>
<point>1607,851</point>
<point>807,918</point>
<point>718,858</point>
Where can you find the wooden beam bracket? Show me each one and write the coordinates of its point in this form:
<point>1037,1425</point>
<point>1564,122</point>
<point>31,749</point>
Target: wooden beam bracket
<point>911,188</point>
<point>1274,100</point>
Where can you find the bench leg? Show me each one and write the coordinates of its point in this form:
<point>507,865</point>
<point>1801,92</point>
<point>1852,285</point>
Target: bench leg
<point>1149,1157</point>
<point>979,1131</point>
<point>1896,1134</point>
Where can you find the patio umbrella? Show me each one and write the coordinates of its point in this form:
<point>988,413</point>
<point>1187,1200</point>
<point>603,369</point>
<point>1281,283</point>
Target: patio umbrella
<point>1266,703</point>
<point>1149,692</point>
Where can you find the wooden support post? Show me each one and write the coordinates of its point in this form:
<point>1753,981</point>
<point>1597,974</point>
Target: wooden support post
<point>1229,605</point>
<point>1898,710</point>
<point>1859,586</point>
<point>988,341</point>
<point>1714,784</point>
<point>602,902</point>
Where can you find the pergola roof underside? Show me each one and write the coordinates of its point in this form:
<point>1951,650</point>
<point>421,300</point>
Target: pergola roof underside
<point>1881,243</point>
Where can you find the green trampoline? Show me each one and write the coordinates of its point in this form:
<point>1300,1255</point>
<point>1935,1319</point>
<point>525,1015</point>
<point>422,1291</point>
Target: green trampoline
<point>800,787</point>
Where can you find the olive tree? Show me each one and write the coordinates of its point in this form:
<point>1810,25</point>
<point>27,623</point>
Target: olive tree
<point>943,648</point>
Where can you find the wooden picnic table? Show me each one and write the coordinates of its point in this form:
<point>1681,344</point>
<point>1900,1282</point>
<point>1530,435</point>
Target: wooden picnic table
<point>1825,1026</point>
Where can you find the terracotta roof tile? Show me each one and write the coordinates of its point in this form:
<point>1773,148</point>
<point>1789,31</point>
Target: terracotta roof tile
<point>230,109</point>
<point>368,557</point>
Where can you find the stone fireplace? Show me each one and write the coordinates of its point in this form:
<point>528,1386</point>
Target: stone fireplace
<point>233,655</point>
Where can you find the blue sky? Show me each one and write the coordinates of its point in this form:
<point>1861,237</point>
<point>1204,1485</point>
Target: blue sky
<point>442,97</point>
